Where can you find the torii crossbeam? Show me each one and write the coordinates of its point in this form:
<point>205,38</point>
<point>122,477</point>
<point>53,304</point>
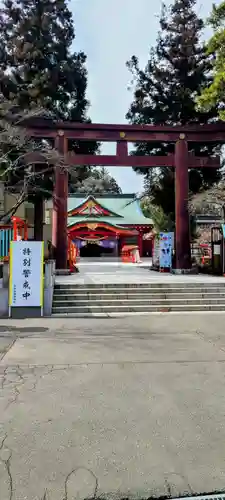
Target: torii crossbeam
<point>181,160</point>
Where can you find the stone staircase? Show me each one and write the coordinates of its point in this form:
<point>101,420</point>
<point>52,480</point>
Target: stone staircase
<point>108,299</point>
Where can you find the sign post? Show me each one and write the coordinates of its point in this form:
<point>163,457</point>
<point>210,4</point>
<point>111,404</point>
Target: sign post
<point>26,279</point>
<point>166,245</point>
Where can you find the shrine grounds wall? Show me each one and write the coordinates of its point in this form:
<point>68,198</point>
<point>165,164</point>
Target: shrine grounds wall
<point>4,294</point>
<point>49,287</point>
<point>4,290</point>
<point>47,234</point>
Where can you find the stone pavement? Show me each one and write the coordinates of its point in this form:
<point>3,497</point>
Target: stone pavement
<point>112,407</point>
<point>114,271</point>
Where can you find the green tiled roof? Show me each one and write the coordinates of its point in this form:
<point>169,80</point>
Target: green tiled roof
<point>126,206</point>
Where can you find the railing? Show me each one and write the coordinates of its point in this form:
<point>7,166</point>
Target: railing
<point>6,235</point>
<point>18,231</point>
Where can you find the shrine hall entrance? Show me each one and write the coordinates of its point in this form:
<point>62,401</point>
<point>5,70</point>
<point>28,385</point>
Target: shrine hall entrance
<point>92,249</point>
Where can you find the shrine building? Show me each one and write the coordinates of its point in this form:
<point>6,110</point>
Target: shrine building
<point>100,225</point>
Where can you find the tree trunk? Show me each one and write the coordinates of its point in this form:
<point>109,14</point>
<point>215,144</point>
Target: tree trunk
<point>38,218</point>
<point>6,217</point>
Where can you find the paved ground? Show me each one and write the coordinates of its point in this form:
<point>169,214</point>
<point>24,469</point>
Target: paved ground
<point>114,271</point>
<point>131,406</point>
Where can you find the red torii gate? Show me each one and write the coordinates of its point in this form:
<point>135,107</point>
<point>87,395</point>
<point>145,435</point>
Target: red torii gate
<point>181,160</point>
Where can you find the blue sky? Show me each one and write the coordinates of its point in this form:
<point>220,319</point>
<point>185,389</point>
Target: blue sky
<point>110,32</point>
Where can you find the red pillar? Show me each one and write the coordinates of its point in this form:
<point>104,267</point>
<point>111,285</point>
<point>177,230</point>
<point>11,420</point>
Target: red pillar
<point>59,216</point>
<point>121,148</point>
<point>140,243</point>
<point>183,249</point>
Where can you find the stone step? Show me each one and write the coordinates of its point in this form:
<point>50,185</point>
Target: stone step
<point>62,272</point>
<point>123,309</point>
<point>134,295</point>
<point>133,302</point>
<point>122,298</point>
<point>125,290</point>
<point>168,285</point>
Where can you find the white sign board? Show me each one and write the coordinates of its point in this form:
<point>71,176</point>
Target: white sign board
<point>26,274</point>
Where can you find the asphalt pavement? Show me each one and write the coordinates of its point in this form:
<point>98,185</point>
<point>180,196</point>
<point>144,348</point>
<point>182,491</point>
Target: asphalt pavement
<point>112,407</point>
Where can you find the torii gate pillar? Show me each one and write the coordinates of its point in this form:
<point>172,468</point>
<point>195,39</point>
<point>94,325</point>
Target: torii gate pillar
<point>182,230</point>
<point>59,216</point>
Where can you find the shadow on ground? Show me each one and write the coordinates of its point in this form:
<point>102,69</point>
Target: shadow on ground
<point>23,329</point>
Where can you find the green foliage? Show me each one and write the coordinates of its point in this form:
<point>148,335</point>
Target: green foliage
<point>36,36</point>
<point>165,93</point>
<point>214,94</point>
<point>208,202</point>
<point>162,222</point>
<point>38,67</point>
<point>98,182</point>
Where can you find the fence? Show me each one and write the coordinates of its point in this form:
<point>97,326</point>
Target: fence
<point>6,235</point>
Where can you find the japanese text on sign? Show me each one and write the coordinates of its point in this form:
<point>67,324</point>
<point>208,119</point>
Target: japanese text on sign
<point>26,274</point>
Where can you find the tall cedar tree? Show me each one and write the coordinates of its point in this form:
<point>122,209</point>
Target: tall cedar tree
<point>215,93</point>
<point>39,69</point>
<point>165,93</point>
